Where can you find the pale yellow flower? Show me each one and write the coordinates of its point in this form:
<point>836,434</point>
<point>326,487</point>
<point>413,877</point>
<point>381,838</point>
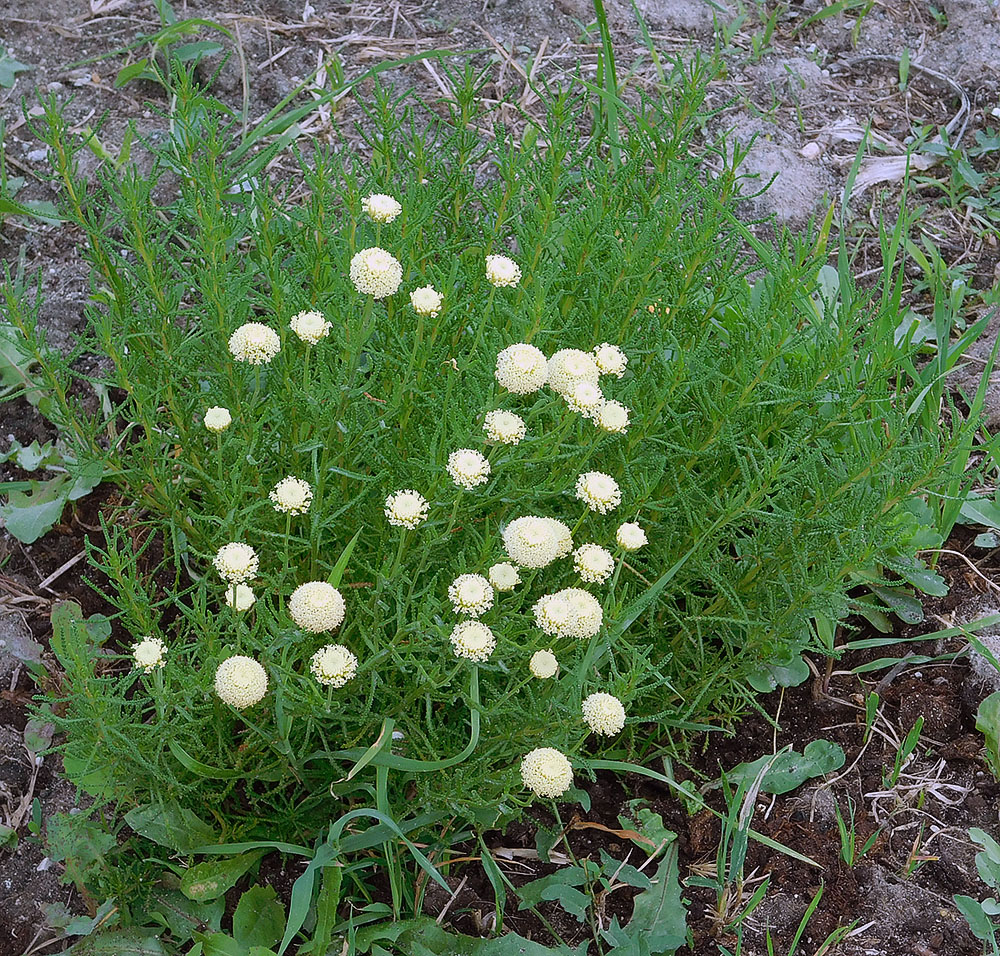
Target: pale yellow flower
<point>604,714</point>
<point>547,772</point>
<point>598,491</point>
<point>426,301</point>
<point>149,654</point>
<point>236,562</point>
<point>471,594</point>
<point>585,399</point>
<point>504,427</point>
<point>522,369</point>
<point>376,272</point>
<point>240,681</point>
<point>473,641</point>
<point>381,208</point>
<point>316,607</point>
<point>534,542</point>
<point>543,665</point>
<point>310,327</point>
<point>571,612</point>
<point>593,563</point>
<point>569,367</point>
<point>406,509</point>
<point>333,665</point>
<point>504,576</point>
<point>218,419</point>
<point>630,536</point>
<point>610,359</point>
<point>502,271</point>
<point>240,597</point>
<point>254,343</point>
<point>468,468</point>
<point>612,417</point>
<point>291,496</point>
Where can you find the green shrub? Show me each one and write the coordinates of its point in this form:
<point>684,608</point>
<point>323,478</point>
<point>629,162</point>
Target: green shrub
<point>771,452</point>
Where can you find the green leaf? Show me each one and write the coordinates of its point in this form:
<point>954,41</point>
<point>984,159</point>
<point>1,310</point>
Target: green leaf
<point>978,921</point>
<point>658,914</point>
<point>9,68</point>
<point>8,838</point>
<point>184,917</point>
<point>553,887</point>
<point>195,50</point>
<point>790,769</point>
<point>171,826</point>
<point>209,880</point>
<point>135,71</point>
<point>120,942</point>
<point>988,723</point>
<point>980,511</point>
<point>988,539</point>
<point>259,919</point>
<point>790,671</point>
<point>27,516</point>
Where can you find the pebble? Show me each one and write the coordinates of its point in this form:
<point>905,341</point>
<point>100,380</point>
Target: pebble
<point>810,150</point>
<point>37,155</point>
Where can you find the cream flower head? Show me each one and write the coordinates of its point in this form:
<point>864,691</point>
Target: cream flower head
<point>543,665</point>
<point>604,714</point>
<point>240,681</point>
<point>563,538</point>
<point>630,536</point>
<point>593,563</point>
<point>426,301</point>
<point>547,772</point>
<point>610,359</point>
<point>569,367</point>
<point>236,562</point>
<point>333,665</point>
<point>471,594</point>
<point>473,640</point>
<point>598,491</point>
<point>504,427</point>
<point>381,208</point>
<point>534,542</point>
<point>504,576</point>
<point>406,509</point>
<point>502,271</point>
<point>218,419</point>
<point>310,327</point>
<point>291,496</point>
<point>522,369</point>
<point>585,399</point>
<point>254,343</point>
<point>376,272</point>
<point>571,612</point>
<point>612,417</point>
<point>149,654</point>
<point>240,597</point>
<point>317,607</point>
<point>468,468</point>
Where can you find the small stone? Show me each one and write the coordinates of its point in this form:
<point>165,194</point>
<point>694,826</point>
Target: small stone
<point>810,151</point>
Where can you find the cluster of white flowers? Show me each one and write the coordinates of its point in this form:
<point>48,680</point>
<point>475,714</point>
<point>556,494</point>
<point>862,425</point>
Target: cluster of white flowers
<point>333,665</point>
<point>504,427</point>
<point>381,208</point>
<point>568,368</point>
<point>376,272</point>
<point>502,271</point>
<point>612,417</point>
<point>571,612</point>
<point>604,714</point>
<point>586,399</point>
<point>473,641</point>
<point>218,419</point>
<point>426,301</point>
<point>534,542</point>
<point>468,468</point>
<point>610,360</point>
<point>593,563</point>
<point>471,594</point>
<point>240,681</point>
<point>598,491</point>
<point>291,496</point>
<point>236,562</point>
<point>317,607</point>
<point>254,343</point>
<point>547,772</point>
<point>149,654</point>
<point>406,509</point>
<point>522,369</point>
<point>630,536</point>
<point>310,327</point>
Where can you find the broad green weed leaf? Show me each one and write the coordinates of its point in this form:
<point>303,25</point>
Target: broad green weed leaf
<point>184,916</point>
<point>171,826</point>
<point>988,724</point>
<point>658,914</point>
<point>790,769</point>
<point>120,942</point>
<point>259,919</point>
<point>29,515</point>
<point>9,68</point>
<point>209,880</point>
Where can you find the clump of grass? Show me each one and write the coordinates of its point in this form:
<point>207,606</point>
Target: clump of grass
<point>768,454</point>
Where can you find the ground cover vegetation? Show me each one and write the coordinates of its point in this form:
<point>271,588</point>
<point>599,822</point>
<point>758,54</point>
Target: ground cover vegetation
<point>452,471</point>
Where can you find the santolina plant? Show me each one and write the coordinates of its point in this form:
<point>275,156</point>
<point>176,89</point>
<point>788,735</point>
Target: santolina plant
<point>458,482</point>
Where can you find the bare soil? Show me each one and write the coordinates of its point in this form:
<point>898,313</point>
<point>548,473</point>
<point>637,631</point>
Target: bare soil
<point>800,95</point>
